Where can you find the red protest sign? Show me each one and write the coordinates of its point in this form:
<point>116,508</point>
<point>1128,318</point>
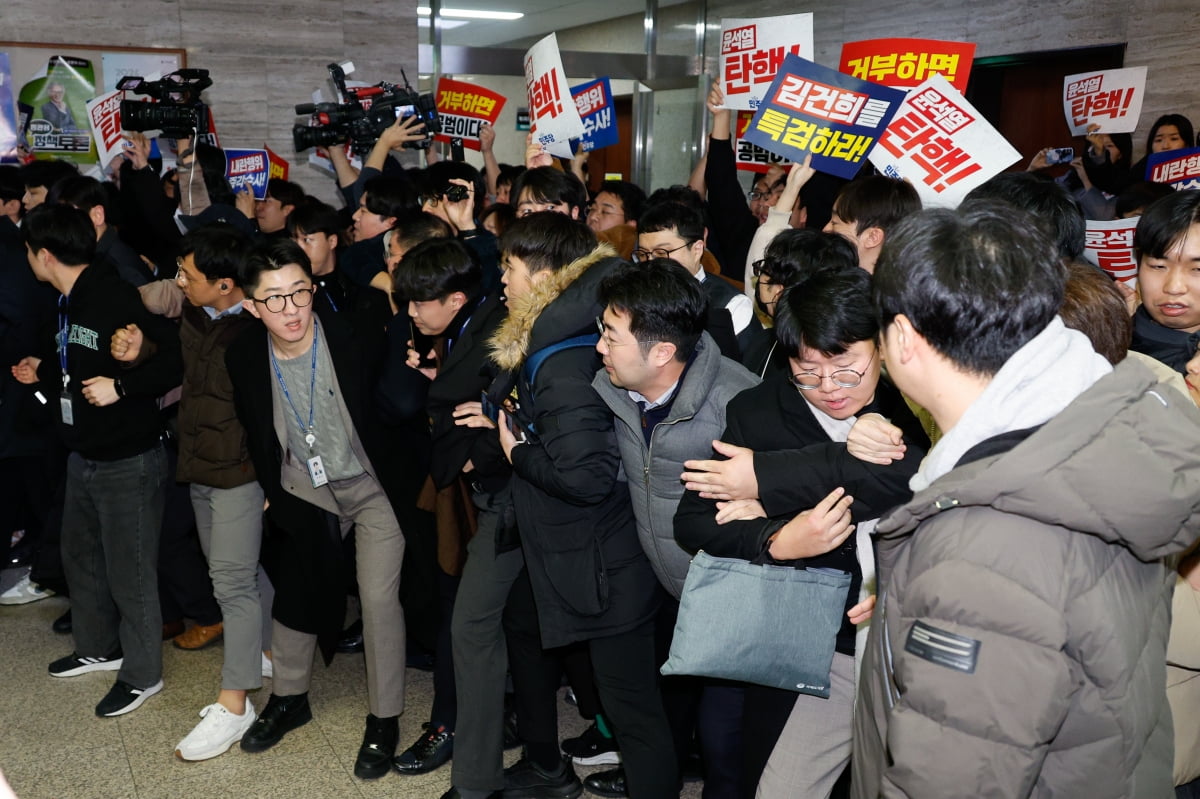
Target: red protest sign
<point>905,63</point>
<point>747,155</point>
<point>463,107</point>
<point>278,167</point>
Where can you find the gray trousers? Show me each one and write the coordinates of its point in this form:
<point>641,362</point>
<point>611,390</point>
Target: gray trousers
<point>814,748</point>
<point>481,653</point>
<point>380,546</point>
<point>112,516</point>
<point>229,521</point>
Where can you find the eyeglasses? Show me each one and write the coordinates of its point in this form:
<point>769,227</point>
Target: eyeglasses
<point>608,339</point>
<point>845,378</point>
<point>755,194</point>
<point>301,298</point>
<point>762,267</point>
<point>640,255</point>
<point>181,276</point>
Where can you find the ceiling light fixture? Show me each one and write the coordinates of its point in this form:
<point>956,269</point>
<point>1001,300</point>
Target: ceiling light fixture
<point>470,13</point>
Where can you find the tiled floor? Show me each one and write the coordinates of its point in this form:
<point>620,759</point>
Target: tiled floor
<point>52,746</point>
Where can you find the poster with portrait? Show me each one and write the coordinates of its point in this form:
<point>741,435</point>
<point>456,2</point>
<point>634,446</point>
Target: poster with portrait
<point>58,94</point>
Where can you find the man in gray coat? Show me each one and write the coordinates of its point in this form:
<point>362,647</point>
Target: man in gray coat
<point>1019,642</point>
<point>667,384</point>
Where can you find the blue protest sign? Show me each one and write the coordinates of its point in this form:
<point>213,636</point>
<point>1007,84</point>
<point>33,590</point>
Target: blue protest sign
<point>594,102</point>
<point>248,168</point>
<point>1179,169</point>
<point>813,109</point>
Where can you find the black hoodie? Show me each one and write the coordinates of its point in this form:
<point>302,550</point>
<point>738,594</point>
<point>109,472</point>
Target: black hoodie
<point>99,304</point>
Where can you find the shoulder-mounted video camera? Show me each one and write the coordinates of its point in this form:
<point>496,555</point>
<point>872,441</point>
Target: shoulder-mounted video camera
<point>177,109</point>
<point>363,113</point>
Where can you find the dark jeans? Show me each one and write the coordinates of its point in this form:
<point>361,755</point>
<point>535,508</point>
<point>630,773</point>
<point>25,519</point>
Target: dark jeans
<point>445,700</point>
<point>111,522</point>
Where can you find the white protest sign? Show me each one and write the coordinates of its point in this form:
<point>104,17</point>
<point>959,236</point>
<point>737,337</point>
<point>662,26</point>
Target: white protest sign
<point>752,52</point>
<point>552,110</point>
<point>104,114</point>
<point>941,144</point>
<point>1109,245</point>
<point>1110,98</point>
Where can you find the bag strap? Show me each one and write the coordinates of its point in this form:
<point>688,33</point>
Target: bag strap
<point>534,362</point>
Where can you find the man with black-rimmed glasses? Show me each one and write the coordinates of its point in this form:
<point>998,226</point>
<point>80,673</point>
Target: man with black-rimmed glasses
<point>301,392</point>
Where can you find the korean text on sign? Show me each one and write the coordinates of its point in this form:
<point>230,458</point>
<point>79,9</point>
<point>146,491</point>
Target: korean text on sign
<point>463,108</point>
<point>1109,245</point>
<point>925,134</point>
<point>1111,99</point>
<point>906,63</point>
<point>594,102</point>
<point>747,155</point>
<point>1178,168</point>
<point>247,168</point>
<point>811,109</point>
<point>754,50</point>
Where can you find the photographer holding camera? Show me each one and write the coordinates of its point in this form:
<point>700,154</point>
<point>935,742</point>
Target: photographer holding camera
<point>454,192</point>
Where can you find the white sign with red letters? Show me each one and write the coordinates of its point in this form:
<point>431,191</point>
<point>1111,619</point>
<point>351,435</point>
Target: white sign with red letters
<point>941,144</point>
<point>752,52</point>
<point>551,109</point>
<point>1110,98</point>
<point>1109,245</point>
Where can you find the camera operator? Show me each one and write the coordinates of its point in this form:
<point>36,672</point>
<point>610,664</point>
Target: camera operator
<point>351,182</point>
<point>454,192</point>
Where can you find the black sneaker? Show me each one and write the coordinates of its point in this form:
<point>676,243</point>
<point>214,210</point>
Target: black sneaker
<point>526,780</point>
<point>432,750</point>
<point>73,665</point>
<point>123,698</point>
<point>592,749</point>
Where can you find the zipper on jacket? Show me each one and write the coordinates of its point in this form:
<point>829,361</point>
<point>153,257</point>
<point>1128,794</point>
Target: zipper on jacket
<point>889,673</point>
<point>649,458</point>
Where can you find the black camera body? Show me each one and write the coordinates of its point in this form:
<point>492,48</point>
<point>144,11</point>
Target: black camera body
<point>334,123</point>
<point>178,111</point>
<point>456,192</point>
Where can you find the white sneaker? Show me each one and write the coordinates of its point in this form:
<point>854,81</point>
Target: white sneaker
<point>268,668</point>
<point>23,593</point>
<point>217,731</point>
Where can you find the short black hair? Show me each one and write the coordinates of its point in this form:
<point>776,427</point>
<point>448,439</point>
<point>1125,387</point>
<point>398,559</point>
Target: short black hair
<point>547,240</point>
<point>829,312</point>
<point>1165,222</point>
<point>1181,123</point>
<point>440,173</point>
<point>65,231</point>
<point>271,256</point>
<point>82,192</point>
<point>505,215</point>
<point>796,253</point>
<point>418,227</point>
<point>632,198</point>
<point>683,219</point>
<point>315,217</point>
<point>286,192</point>
<point>392,195</point>
<point>435,269</point>
<point>1139,196</point>
<point>508,175</point>
<point>46,173</point>
<point>217,249</point>
<point>876,201</point>
<point>1050,204</point>
<point>663,300</point>
<point>11,187</point>
<point>978,283</point>
<point>546,184</point>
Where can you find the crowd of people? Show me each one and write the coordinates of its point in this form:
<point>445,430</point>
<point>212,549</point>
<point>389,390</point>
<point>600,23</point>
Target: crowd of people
<point>500,414</point>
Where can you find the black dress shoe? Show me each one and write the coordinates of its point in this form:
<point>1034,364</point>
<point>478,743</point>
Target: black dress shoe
<point>63,623</point>
<point>378,747</point>
<point>432,750</point>
<point>351,640</point>
<point>281,715</point>
<point>454,794</point>
<point>607,783</point>
<point>527,780</point>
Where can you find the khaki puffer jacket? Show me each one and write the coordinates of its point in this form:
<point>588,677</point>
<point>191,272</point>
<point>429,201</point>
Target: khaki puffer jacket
<point>1019,645</point>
